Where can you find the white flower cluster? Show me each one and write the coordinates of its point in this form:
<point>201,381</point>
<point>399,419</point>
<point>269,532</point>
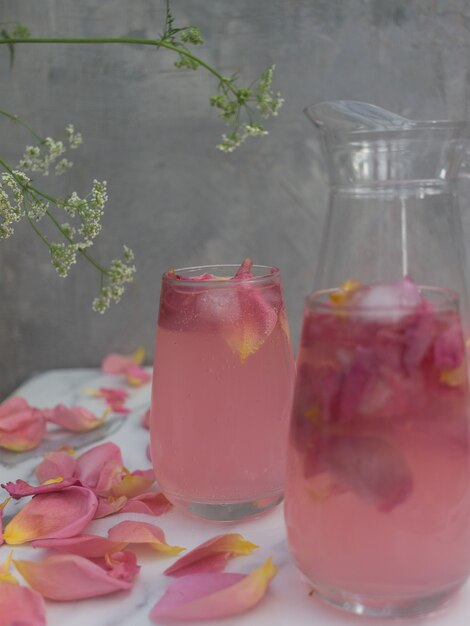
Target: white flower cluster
<point>257,101</point>
<point>42,157</point>
<point>119,273</point>
<point>12,204</point>
<point>89,210</point>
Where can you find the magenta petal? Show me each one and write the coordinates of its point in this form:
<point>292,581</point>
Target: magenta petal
<point>20,488</point>
<point>449,348</point>
<point>52,515</point>
<point>67,577</point>
<point>55,464</point>
<point>91,463</point>
<point>20,606</point>
<point>88,546</point>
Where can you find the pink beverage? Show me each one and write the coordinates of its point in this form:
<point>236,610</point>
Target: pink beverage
<point>378,485</point>
<point>222,390</point>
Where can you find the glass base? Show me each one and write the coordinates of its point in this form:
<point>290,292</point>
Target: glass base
<point>391,607</point>
<point>227,511</point>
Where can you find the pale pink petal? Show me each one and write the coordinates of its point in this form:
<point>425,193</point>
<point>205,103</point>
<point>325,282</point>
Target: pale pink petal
<point>20,488</point>
<point>133,484</point>
<point>52,515</point>
<point>117,363</point>
<point>143,533</point>
<point>12,405</point>
<point>136,376</point>
<point>152,503</point>
<point>146,419</point>
<point>2,506</point>
<point>76,418</point>
<point>109,506</point>
<point>88,546</point>
<point>208,596</point>
<point>111,474</point>
<point>29,433</point>
<point>20,606</point>
<point>212,555</point>
<point>121,565</point>
<point>66,577</point>
<point>91,463</point>
<point>55,464</point>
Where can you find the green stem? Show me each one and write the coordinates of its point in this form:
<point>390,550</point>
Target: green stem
<point>19,121</point>
<point>159,43</point>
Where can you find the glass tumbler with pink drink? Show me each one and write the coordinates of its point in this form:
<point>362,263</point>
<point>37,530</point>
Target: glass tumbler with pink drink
<point>378,471</point>
<point>223,378</point>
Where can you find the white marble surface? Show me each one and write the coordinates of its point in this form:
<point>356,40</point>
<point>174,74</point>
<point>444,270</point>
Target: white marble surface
<point>287,602</point>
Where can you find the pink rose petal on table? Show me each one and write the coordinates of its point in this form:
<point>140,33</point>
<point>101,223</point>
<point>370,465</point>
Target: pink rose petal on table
<point>142,533</point>
<point>212,555</point>
<point>52,515</point>
<point>20,606</point>
<point>152,503</point>
<point>136,376</point>
<point>118,363</point>
<point>109,506</point>
<point>90,464</point>
<point>88,546</point>
<point>113,396</point>
<point>2,506</point>
<point>111,474</point>
<point>22,427</point>
<point>76,418</point>
<point>208,596</point>
<point>5,573</point>
<point>133,484</point>
<point>121,565</point>
<point>20,488</point>
<point>65,577</point>
<point>146,419</point>
<point>55,464</point>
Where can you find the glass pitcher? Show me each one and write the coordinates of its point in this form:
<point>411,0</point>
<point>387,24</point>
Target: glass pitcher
<point>378,476</point>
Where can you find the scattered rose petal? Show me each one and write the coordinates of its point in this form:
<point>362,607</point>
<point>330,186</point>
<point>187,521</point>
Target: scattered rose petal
<point>22,427</point>
<point>76,418</point>
<point>111,474</point>
<point>2,506</point>
<point>20,488</point>
<point>121,565</point>
<point>90,464</point>
<point>66,577</point>
<point>142,532</point>
<point>152,503</point>
<point>88,546</point>
<point>109,506</point>
<point>118,363</point>
<point>5,573</point>
<point>207,596</point>
<point>136,376</point>
<point>212,555</point>
<point>133,484</point>
<point>52,515</point>
<point>55,464</point>
<point>113,396</point>
<point>146,419</point>
<point>20,606</point>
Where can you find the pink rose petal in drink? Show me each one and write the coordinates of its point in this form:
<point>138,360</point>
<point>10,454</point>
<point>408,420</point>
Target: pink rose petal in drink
<point>449,348</point>
<point>52,515</point>
<point>212,555</point>
<point>66,577</point>
<point>20,606</point>
<point>209,596</point>
<point>76,419</point>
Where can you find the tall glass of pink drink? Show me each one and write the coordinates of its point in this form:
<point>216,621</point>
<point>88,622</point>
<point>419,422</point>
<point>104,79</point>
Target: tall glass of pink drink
<point>222,388</point>
<point>378,484</point>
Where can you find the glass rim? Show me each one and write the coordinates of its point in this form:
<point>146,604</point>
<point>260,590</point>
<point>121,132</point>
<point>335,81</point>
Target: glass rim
<point>269,272</point>
<point>312,303</point>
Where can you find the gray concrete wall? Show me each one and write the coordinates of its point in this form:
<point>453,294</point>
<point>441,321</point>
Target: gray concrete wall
<point>150,132</point>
